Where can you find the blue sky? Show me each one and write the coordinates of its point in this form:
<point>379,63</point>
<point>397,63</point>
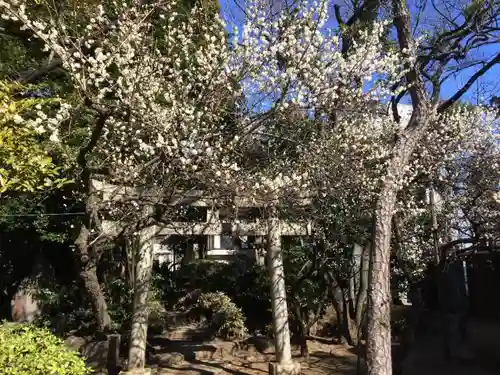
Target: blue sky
<point>489,82</point>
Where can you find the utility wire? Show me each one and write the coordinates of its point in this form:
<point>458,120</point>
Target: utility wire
<point>55,214</point>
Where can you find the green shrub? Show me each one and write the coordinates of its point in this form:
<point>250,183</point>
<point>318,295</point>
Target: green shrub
<point>28,350</point>
<point>226,319</point>
<point>245,283</point>
<point>120,301</point>
<point>157,312</point>
<point>64,309</point>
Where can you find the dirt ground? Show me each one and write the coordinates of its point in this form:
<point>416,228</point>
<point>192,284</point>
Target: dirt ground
<point>324,359</point>
<point>182,351</point>
<point>216,357</point>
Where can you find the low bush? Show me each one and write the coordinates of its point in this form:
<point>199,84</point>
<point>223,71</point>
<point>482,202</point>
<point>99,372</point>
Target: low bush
<point>28,350</point>
<point>64,309</point>
<point>226,319</point>
<point>245,283</point>
<point>157,313</point>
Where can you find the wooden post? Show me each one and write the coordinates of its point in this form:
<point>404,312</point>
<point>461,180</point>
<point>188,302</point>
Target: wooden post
<point>284,363</point>
<point>142,281</point>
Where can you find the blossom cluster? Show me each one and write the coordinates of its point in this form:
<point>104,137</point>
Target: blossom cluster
<point>293,63</point>
<point>171,103</point>
<point>185,103</point>
<point>459,155</point>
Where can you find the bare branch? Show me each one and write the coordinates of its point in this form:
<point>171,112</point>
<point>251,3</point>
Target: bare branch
<point>444,106</point>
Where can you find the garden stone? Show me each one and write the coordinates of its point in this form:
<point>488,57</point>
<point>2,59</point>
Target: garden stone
<point>75,343</point>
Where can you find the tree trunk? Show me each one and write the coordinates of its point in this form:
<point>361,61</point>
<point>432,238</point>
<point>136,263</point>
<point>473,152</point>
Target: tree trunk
<point>362,290</point>
<point>424,108</point>
<point>379,359</point>
<point>378,344</point>
<point>350,326</point>
<point>346,327</point>
<point>414,290</point>
<point>142,281</point>
<point>88,256</point>
<point>358,290</point>
<point>88,273</point>
<point>355,280</point>
<point>304,349</point>
<point>278,295</point>
<point>301,330</point>
<point>335,292</point>
<point>94,291</point>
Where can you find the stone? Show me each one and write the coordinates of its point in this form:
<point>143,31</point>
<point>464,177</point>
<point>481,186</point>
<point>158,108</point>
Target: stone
<point>26,304</point>
<point>75,343</point>
<point>138,371</point>
<point>258,343</point>
<point>263,344</point>
<point>96,353</point>
<point>286,368</point>
<point>101,354</point>
<point>219,353</point>
<point>208,353</point>
<point>168,359</point>
<point>313,330</point>
<point>175,319</point>
<point>175,359</point>
<point>25,308</point>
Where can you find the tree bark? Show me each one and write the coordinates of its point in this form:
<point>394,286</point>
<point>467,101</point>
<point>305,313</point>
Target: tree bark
<point>346,327</point>
<point>379,298</point>
<point>414,293</point>
<point>435,236</point>
<point>94,291</point>
<point>142,282</point>
<point>379,293</point>
<point>88,274</point>
<point>339,312</point>
<point>378,346</point>
<point>278,295</point>
<point>302,331</point>
<point>362,289</point>
<point>355,280</point>
<point>88,257</point>
<point>349,296</point>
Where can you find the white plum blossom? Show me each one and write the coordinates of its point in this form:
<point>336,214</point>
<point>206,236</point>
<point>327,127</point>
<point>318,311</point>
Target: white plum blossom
<point>168,100</point>
<point>458,155</point>
<point>274,110</point>
<point>18,119</point>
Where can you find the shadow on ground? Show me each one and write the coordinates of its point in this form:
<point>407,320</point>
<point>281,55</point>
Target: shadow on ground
<point>426,356</point>
<point>217,358</point>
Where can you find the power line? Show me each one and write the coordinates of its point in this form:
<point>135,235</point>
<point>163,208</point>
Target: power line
<point>40,214</point>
